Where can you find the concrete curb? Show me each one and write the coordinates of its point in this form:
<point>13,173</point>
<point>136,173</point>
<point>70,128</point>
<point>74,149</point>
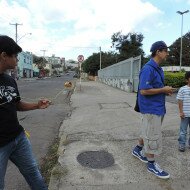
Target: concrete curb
<point>59,171</point>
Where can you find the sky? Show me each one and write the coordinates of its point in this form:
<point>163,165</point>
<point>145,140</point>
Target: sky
<point>80,27</point>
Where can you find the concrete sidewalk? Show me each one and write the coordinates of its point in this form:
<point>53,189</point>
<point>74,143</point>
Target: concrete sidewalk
<point>103,119</point>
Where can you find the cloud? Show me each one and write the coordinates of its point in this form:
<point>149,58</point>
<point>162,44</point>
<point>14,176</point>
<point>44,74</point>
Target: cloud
<point>60,23</point>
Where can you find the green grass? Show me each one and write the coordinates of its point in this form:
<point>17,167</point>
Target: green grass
<point>50,160</point>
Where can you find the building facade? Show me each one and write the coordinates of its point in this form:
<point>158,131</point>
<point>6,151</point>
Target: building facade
<point>71,64</point>
<point>35,70</point>
<point>25,65</point>
<point>55,65</point>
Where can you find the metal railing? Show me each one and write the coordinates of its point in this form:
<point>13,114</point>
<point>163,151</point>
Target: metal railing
<point>124,74</point>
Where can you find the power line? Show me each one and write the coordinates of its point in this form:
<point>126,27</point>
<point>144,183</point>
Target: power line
<point>80,47</point>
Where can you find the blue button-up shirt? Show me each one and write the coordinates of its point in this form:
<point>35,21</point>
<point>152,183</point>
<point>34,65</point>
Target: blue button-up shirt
<point>150,78</point>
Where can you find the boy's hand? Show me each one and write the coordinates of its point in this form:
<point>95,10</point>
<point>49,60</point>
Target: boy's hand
<point>43,103</point>
<point>181,114</point>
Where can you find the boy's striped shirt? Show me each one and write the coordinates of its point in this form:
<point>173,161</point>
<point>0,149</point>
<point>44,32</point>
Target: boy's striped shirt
<point>184,95</point>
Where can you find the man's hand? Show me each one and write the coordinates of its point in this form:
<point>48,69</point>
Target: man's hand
<point>168,90</point>
<point>43,103</point>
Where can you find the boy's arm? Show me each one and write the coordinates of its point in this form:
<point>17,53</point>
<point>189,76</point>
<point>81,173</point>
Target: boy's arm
<point>25,106</point>
<point>180,104</point>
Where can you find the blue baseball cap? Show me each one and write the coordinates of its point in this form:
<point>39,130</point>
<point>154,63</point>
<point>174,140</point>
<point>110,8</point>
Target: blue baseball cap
<point>158,46</point>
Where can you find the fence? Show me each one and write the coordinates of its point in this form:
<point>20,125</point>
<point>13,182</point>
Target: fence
<point>123,75</point>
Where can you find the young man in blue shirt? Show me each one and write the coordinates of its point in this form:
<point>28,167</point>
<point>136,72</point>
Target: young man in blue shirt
<point>151,100</point>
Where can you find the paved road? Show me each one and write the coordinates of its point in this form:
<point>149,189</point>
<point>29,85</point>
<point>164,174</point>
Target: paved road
<point>43,125</point>
<point>172,99</point>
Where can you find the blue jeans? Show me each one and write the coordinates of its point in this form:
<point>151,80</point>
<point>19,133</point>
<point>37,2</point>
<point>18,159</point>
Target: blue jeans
<point>19,151</point>
<point>185,122</point>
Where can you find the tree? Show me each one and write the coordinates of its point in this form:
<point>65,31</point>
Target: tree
<point>47,71</point>
<point>92,64</point>
<point>129,45</point>
<point>174,56</point>
<point>41,63</point>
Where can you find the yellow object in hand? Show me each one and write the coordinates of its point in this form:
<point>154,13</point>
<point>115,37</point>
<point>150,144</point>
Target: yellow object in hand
<point>27,133</point>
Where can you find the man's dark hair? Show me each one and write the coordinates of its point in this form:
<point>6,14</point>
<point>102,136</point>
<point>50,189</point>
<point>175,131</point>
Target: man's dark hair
<point>154,53</point>
<point>9,46</point>
<point>187,75</point>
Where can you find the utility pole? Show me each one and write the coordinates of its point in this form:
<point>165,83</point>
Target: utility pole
<point>15,71</point>
<point>16,27</point>
<point>43,52</point>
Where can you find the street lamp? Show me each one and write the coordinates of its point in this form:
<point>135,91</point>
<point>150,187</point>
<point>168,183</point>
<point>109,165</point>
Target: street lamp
<point>23,36</point>
<point>100,59</point>
<point>181,13</point>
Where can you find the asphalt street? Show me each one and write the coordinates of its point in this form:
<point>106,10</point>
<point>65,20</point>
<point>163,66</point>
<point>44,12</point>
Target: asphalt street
<point>43,125</point>
<point>172,98</point>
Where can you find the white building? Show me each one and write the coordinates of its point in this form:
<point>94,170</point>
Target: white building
<point>55,64</point>
<point>175,68</point>
<point>71,63</point>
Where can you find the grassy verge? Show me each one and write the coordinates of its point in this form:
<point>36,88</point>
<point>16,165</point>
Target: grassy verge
<point>50,160</point>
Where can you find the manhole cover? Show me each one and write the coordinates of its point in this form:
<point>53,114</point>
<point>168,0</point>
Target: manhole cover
<point>95,159</point>
<point>114,105</point>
